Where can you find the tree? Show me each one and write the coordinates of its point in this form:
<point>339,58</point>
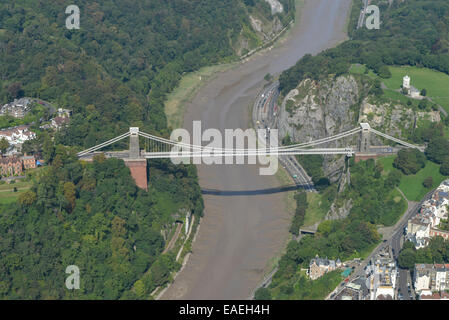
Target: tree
<point>15,90</point>
<point>444,169</point>
<point>422,105</point>
<point>406,259</point>
<point>70,194</point>
<point>262,294</point>
<point>393,179</point>
<point>48,149</point>
<point>438,149</point>
<point>410,161</point>
<point>139,288</point>
<point>27,198</point>
<point>4,145</point>
<point>423,92</point>
<point>384,72</point>
<point>428,182</point>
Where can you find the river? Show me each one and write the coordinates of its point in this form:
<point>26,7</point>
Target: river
<point>243,228</point>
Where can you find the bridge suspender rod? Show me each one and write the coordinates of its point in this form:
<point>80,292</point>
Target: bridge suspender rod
<point>324,140</point>
<point>104,144</point>
<point>395,139</point>
<point>307,144</point>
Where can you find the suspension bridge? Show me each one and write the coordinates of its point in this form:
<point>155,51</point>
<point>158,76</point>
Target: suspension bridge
<point>161,148</point>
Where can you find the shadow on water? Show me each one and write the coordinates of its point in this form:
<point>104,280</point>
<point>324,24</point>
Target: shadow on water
<point>228,193</point>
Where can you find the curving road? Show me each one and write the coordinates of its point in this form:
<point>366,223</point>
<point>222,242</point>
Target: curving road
<point>242,230</point>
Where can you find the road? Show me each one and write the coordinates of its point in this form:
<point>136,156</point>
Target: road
<point>265,112</point>
<point>241,230</point>
<point>396,245</point>
<point>394,239</point>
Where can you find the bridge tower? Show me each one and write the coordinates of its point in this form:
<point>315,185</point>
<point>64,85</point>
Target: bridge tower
<point>364,143</point>
<point>136,164</point>
<point>134,151</point>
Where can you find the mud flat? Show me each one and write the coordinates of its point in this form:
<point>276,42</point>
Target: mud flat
<point>244,226</point>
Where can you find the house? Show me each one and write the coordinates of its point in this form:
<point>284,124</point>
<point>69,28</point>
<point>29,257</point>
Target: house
<point>424,225</point>
<point>59,122</point>
<point>64,113</point>
<point>381,279</point>
<point>10,166</point>
<point>28,162</point>
<point>17,109</point>
<point>411,91</point>
<point>17,135</point>
<point>318,267</point>
<point>435,296</point>
<point>422,275</point>
<point>431,277</point>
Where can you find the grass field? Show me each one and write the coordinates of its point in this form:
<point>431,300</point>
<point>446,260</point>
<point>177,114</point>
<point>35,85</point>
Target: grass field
<point>411,185</point>
<point>436,83</point>
<point>7,195</point>
<point>316,210</point>
<point>357,69</point>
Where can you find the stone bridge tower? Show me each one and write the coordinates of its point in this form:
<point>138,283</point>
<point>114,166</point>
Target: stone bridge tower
<point>136,164</point>
<point>364,142</point>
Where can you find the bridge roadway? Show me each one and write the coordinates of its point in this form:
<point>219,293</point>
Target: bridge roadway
<point>240,234</point>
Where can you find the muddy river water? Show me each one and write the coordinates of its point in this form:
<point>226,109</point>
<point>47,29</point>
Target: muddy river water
<point>243,229</point>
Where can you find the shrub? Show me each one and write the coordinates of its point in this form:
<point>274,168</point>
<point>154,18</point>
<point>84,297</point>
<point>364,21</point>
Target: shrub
<point>428,182</point>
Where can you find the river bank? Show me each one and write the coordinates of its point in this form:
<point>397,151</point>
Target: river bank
<point>245,227</point>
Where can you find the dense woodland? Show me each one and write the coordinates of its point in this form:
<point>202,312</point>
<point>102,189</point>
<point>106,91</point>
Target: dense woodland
<point>113,73</point>
<point>117,69</point>
<point>413,32</point>
<point>92,216</point>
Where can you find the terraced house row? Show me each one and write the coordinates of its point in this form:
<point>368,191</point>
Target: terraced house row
<point>14,166</point>
<point>424,225</point>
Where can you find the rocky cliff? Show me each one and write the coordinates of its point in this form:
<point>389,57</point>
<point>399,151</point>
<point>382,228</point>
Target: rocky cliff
<point>317,109</point>
<point>262,28</point>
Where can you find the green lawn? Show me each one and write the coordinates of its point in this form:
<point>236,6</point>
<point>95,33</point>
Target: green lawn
<point>436,83</point>
<point>7,195</point>
<point>399,97</point>
<point>357,69</point>
<point>18,185</point>
<point>411,185</point>
<point>316,210</point>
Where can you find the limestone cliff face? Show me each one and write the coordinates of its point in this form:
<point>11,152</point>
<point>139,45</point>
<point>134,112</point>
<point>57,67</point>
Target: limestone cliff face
<point>392,118</point>
<point>315,110</point>
<point>261,29</point>
<point>264,28</point>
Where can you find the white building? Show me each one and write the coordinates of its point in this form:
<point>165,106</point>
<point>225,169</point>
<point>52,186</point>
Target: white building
<point>431,278</point>
<point>17,135</point>
<point>406,82</point>
<point>424,226</point>
<point>382,279</point>
<point>411,90</point>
